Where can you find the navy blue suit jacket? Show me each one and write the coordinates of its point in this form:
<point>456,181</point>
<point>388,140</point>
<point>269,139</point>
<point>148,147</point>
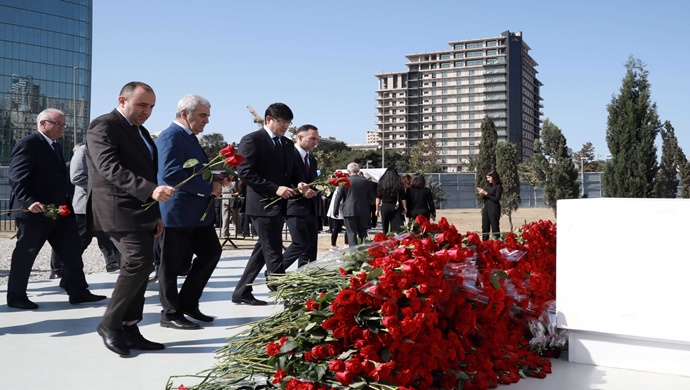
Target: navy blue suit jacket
<point>186,207</point>
<point>37,174</point>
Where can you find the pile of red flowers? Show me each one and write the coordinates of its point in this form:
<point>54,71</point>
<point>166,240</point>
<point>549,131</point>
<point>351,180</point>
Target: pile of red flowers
<point>428,309</point>
<point>433,310</point>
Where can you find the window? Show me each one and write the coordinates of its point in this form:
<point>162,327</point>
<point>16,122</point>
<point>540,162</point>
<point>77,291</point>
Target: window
<point>459,55</point>
<point>459,64</point>
<point>458,46</point>
<point>445,65</point>
<point>491,43</point>
<point>475,63</point>
<point>445,56</point>
<point>475,54</point>
<point>475,45</point>
<point>491,52</point>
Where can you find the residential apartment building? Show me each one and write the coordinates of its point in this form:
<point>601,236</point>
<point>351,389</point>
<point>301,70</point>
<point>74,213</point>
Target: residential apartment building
<point>445,95</point>
<point>45,62</point>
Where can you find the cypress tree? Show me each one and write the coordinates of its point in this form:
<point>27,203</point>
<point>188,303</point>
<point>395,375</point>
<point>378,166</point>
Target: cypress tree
<point>507,166</point>
<point>486,159</point>
<point>666,181</point>
<point>632,127</point>
<point>561,175</point>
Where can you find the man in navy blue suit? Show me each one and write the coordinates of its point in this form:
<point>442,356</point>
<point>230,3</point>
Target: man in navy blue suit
<point>38,177</point>
<point>301,213</point>
<point>184,227</point>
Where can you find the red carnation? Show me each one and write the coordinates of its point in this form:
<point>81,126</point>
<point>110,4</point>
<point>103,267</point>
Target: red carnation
<point>64,210</point>
<point>333,181</point>
<point>234,160</point>
<point>279,376</point>
<point>228,151</point>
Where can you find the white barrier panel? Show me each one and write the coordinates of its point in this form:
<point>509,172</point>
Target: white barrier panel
<point>622,282</point>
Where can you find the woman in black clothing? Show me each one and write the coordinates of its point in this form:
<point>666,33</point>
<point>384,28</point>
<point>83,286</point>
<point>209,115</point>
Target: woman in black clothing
<point>491,212</point>
<point>419,199</point>
<point>389,193</point>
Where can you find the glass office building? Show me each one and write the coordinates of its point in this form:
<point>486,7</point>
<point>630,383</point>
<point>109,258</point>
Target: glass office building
<point>45,62</point>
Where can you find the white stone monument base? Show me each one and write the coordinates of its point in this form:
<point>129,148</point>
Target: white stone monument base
<point>622,286</point>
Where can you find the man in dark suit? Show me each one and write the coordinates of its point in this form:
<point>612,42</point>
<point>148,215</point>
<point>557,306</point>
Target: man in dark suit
<point>270,168</point>
<point>184,227</point>
<point>302,212</point>
<point>356,200</point>
<point>38,178</point>
<point>123,162</point>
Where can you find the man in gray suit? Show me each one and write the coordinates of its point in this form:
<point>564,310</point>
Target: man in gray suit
<point>356,201</point>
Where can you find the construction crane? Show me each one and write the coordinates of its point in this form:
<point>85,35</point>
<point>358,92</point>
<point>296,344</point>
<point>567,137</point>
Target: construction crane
<point>257,118</point>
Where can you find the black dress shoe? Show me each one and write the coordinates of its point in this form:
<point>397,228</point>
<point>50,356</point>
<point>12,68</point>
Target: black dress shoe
<point>112,267</point>
<point>56,275</point>
<point>249,301</point>
<point>24,304</point>
<point>85,297</point>
<point>197,315</point>
<point>113,340</point>
<point>134,340</point>
<point>179,323</point>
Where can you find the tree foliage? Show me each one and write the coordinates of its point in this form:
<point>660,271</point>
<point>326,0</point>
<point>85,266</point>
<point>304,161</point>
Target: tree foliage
<point>534,169</point>
<point>424,157</point>
<point>591,163</point>
<point>666,181</point>
<point>633,124</point>
<point>486,159</point>
<point>507,166</point>
<point>560,174</point>
<point>212,143</point>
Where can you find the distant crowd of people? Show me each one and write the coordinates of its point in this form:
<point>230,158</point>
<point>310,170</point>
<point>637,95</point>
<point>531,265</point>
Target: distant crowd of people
<point>146,208</point>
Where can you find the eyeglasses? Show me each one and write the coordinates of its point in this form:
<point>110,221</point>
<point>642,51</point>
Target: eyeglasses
<point>58,124</point>
<point>282,122</point>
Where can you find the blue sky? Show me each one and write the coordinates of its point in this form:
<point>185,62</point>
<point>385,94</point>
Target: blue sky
<point>320,57</point>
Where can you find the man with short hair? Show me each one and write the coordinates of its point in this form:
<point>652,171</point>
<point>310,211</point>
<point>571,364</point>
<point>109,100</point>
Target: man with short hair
<point>270,168</point>
<point>184,227</point>
<point>123,165</point>
<point>38,177</point>
<point>302,212</point>
<point>356,200</point>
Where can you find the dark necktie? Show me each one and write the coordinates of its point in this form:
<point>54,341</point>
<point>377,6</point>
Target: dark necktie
<point>143,139</point>
<point>278,144</point>
<point>306,163</point>
<point>56,149</point>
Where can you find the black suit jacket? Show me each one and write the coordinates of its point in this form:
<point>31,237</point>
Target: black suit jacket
<point>37,174</point>
<point>302,205</point>
<point>122,176</point>
<point>264,170</point>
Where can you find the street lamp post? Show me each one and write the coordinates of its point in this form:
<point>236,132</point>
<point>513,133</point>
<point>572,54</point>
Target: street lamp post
<point>582,171</point>
<point>74,102</point>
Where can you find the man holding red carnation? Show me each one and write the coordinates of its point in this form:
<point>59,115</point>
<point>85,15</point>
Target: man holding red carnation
<point>270,168</point>
<point>38,177</point>
<point>183,214</point>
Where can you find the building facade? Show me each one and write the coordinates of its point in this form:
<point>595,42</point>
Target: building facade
<point>444,96</point>
<point>45,62</point>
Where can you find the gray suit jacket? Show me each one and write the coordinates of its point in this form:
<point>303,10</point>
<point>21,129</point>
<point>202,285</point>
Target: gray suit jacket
<point>357,198</point>
<point>122,176</point>
<point>79,176</point>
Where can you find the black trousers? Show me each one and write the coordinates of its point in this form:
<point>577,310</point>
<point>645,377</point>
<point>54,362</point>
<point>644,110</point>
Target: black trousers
<point>204,243</point>
<point>304,232</point>
<point>136,263</point>
<point>63,236</point>
<point>267,251</point>
<point>490,223</point>
<point>391,219</point>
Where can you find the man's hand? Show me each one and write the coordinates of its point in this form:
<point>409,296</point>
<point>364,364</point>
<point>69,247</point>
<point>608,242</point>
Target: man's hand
<point>305,190</point>
<point>37,207</point>
<point>163,193</point>
<point>159,227</point>
<point>285,192</point>
<point>217,190</point>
